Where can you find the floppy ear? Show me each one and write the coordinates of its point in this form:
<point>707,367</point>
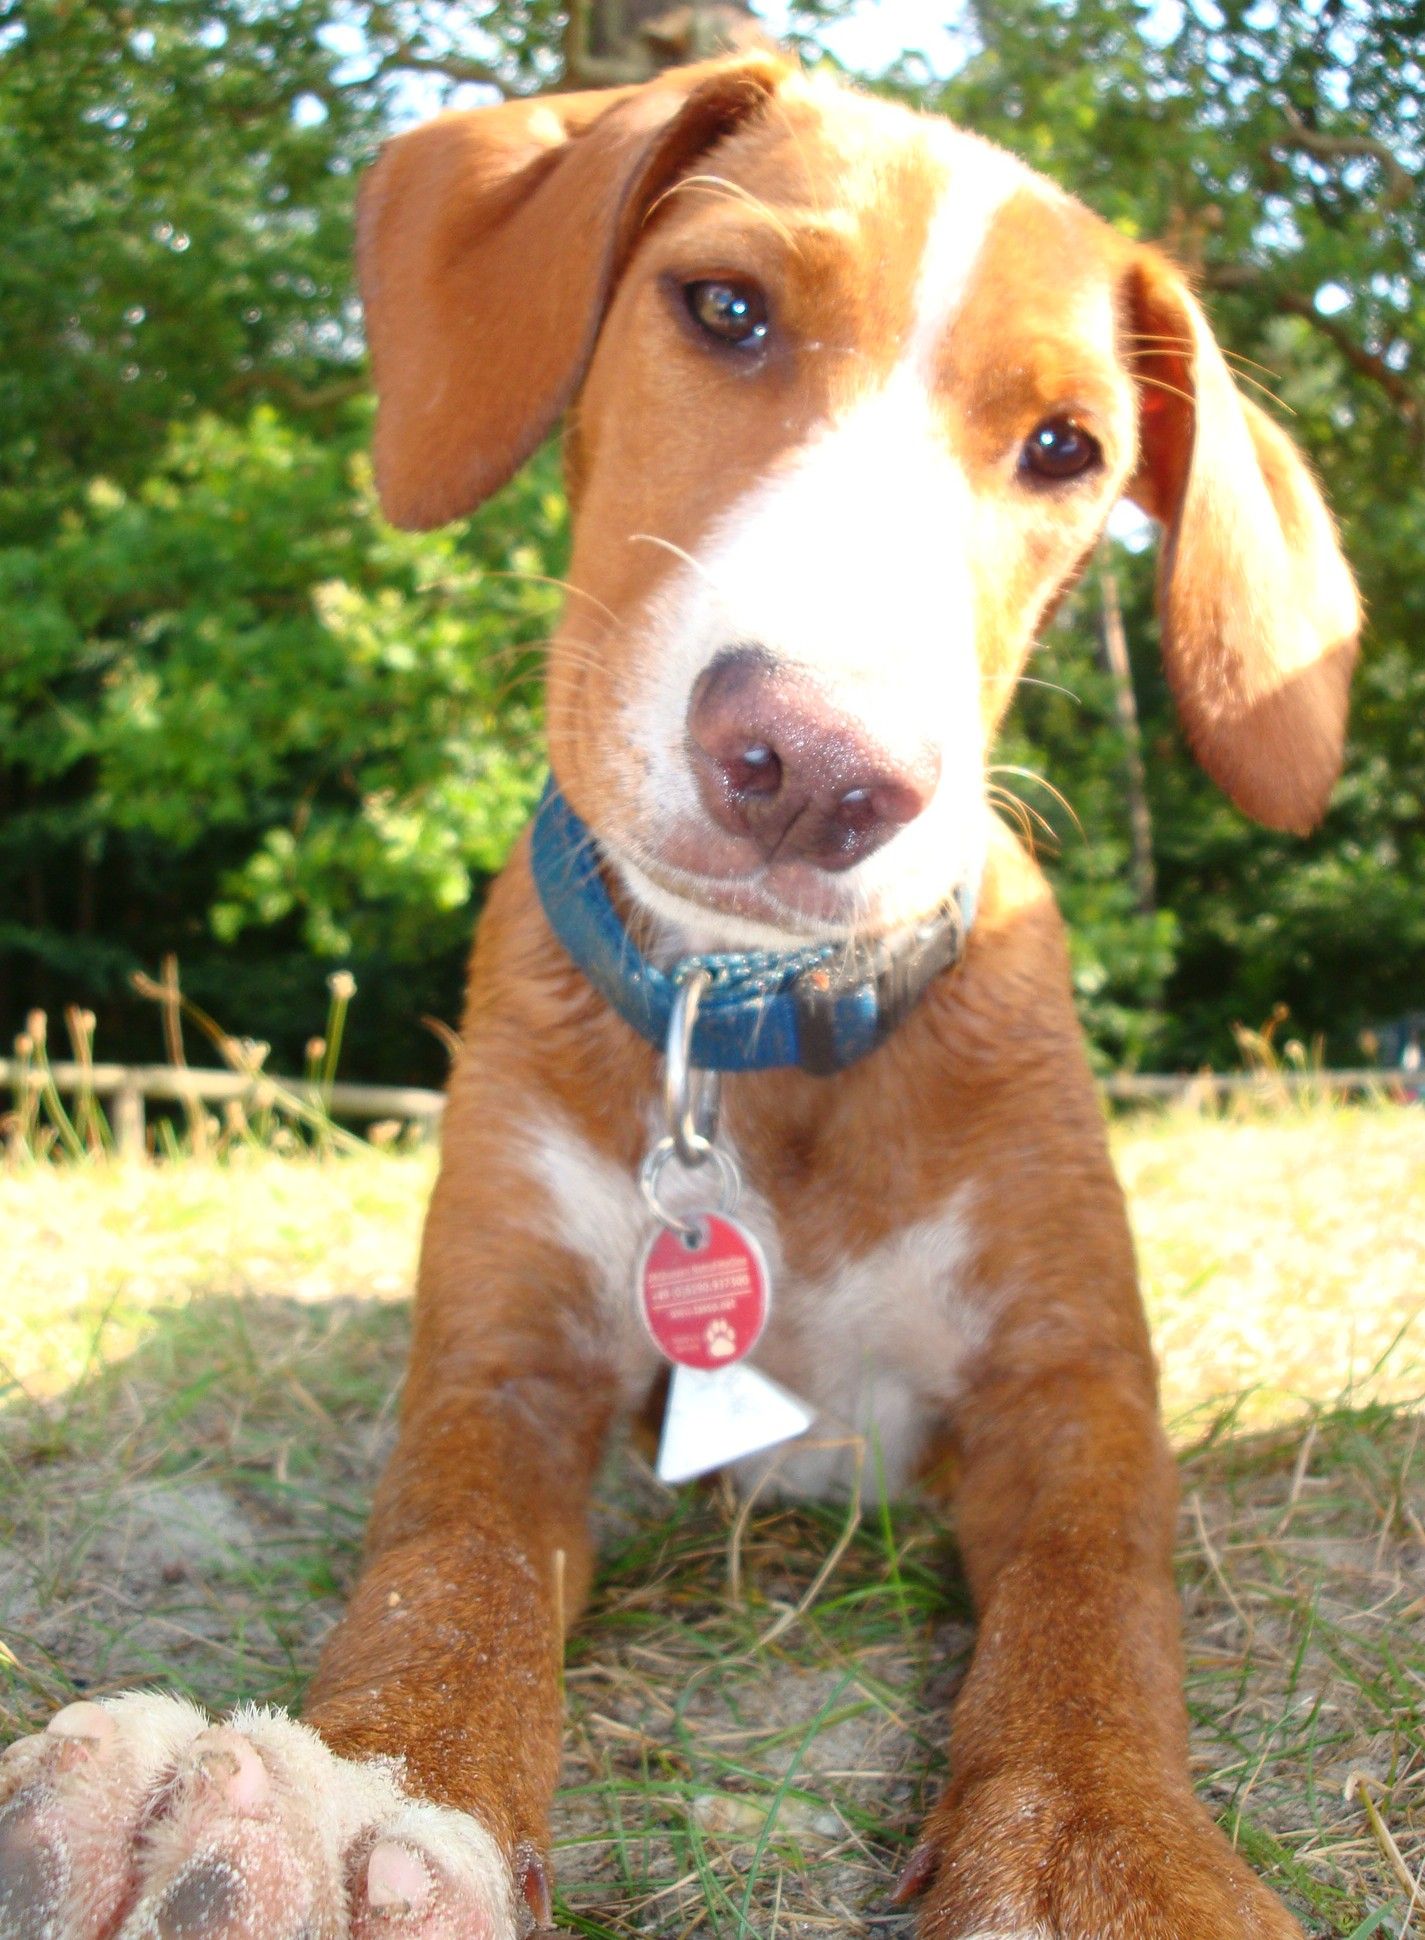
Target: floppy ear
<point>488,243</point>
<point>1258,609</point>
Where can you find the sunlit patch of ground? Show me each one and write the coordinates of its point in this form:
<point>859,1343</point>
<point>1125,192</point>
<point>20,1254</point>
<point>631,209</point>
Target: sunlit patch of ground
<point>1283,1258</point>
<point>198,1371</point>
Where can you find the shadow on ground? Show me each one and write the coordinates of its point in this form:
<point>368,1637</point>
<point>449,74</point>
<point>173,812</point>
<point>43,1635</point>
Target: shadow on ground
<point>756,1703</point>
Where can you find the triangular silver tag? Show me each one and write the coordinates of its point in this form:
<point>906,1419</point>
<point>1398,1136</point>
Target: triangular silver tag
<point>718,1415</point>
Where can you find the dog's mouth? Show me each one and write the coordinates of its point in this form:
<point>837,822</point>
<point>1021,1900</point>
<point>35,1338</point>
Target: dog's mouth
<point>692,881</point>
<point>688,887</point>
<point>778,905</point>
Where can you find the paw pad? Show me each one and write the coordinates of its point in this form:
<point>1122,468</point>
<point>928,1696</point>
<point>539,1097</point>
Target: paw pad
<point>396,1880</point>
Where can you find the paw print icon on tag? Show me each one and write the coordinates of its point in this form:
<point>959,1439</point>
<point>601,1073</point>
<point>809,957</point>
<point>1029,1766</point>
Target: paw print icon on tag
<point>719,1340</point>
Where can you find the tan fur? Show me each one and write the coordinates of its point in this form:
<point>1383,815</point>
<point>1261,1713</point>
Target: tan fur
<point>1260,614</point>
<point>519,258</point>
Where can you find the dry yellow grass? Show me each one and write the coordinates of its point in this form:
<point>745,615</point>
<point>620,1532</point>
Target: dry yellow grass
<point>198,1372</point>
<point>93,1253</point>
<point>1283,1257</point>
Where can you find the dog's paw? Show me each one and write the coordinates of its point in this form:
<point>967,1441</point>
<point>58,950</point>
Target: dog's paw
<point>1021,1861</point>
<point>136,1818</point>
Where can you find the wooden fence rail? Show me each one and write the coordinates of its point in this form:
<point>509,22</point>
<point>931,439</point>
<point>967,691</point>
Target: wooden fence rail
<point>130,1084</point>
<point>1377,1081</point>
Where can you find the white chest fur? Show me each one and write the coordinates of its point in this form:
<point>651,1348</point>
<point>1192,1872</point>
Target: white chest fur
<point>877,1345</point>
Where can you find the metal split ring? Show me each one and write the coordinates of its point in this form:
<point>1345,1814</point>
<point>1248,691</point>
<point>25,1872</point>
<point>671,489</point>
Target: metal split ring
<point>650,1174</point>
<point>690,1096</point>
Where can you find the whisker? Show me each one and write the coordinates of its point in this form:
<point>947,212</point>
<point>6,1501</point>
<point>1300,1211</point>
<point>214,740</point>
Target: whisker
<point>1237,357</point>
<point>1012,808</point>
<point>1246,377</point>
<point>678,552</point>
<point>549,579</point>
<point>1027,808</point>
<point>505,693</point>
<point>1159,384</point>
<point>1235,362</point>
<point>1050,686</point>
<point>720,187</point>
<point>584,652</point>
<point>1240,375</point>
<point>1028,774</point>
<point>1188,343</point>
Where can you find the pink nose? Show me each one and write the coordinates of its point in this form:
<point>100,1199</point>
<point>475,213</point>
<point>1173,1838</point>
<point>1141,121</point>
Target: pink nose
<point>775,762</point>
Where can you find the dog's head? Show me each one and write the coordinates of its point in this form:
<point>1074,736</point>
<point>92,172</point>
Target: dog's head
<point>851,394</point>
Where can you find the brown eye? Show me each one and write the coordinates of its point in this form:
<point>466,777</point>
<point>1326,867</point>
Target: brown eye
<point>734,313</point>
<point>1059,448</point>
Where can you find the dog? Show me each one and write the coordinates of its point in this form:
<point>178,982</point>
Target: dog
<point>848,396</point>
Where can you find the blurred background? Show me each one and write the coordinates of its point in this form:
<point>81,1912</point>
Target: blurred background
<point>244,721</point>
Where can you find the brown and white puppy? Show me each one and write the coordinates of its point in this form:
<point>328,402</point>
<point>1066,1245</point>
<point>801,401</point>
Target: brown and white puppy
<point>850,396</point>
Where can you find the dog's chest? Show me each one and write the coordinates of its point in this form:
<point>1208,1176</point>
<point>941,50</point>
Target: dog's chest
<point>876,1339</point>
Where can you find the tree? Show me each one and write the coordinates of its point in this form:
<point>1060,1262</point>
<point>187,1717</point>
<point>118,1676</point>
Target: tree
<point>613,42</point>
<point>240,718</point>
<point>209,634</point>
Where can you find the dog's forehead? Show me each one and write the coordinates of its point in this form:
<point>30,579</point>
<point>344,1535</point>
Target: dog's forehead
<point>938,221</point>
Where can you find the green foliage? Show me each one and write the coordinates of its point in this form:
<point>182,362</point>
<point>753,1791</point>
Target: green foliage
<point>240,668</point>
<point>1063,759</point>
<point>242,719</point>
<point>176,181</point>
<point>262,654</point>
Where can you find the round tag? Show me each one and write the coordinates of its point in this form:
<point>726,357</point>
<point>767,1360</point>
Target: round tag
<point>704,1300</point>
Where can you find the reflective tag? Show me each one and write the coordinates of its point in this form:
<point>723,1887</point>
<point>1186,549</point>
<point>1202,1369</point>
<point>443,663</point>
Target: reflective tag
<point>717,1416</point>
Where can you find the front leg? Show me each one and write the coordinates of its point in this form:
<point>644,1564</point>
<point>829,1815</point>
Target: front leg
<point>449,1656</point>
<point>412,1801</point>
<point>1070,1811</point>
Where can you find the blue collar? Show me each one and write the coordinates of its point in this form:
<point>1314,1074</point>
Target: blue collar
<point>821,1007</point>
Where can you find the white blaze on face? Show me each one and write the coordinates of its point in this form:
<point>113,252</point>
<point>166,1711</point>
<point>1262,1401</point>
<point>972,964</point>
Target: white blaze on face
<point>854,563</point>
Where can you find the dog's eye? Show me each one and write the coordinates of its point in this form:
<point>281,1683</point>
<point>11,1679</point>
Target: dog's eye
<point>734,313</point>
<point>1059,448</point>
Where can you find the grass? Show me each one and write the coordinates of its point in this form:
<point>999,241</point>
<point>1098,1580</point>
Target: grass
<point>198,1371</point>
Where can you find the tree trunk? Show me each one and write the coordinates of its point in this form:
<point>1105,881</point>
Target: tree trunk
<point>609,43</point>
<point>1115,654</point>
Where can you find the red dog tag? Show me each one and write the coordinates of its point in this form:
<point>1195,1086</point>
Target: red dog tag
<point>704,1299</point>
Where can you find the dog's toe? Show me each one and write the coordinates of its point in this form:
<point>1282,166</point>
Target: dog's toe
<point>432,1875</point>
<point>234,1850</point>
<point>398,1881</point>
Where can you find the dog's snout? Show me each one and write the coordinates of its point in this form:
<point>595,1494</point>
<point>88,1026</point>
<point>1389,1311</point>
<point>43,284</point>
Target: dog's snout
<point>777,762</point>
